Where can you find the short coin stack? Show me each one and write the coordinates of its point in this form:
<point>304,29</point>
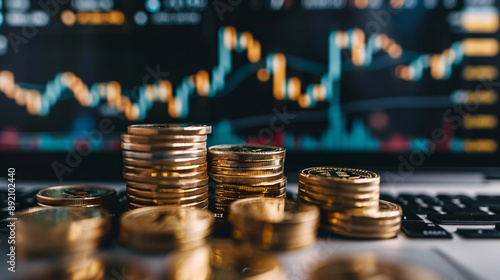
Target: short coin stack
<point>87,196</point>
<point>61,230</point>
<point>163,228</point>
<point>349,202</point>
<point>165,164</point>
<point>274,223</point>
<point>243,171</point>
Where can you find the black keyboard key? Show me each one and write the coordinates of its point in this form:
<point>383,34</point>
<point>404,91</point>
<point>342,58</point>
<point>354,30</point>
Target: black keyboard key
<point>495,210</point>
<point>488,197</point>
<point>445,198</point>
<point>403,202</point>
<point>467,200</point>
<point>408,197</point>
<point>464,219</point>
<point>419,209</point>
<point>424,230</point>
<point>484,200</point>
<point>497,227</point>
<point>411,218</point>
<point>478,233</point>
<point>451,208</point>
<point>455,209</point>
<point>429,200</point>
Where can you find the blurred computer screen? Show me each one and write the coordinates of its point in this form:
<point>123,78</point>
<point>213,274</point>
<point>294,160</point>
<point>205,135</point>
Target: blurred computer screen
<point>333,81</point>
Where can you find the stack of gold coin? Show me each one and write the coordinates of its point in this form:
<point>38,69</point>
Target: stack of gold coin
<point>61,230</point>
<point>163,228</point>
<point>349,202</point>
<point>86,196</point>
<point>368,266</point>
<point>274,223</point>
<point>243,171</point>
<point>165,164</point>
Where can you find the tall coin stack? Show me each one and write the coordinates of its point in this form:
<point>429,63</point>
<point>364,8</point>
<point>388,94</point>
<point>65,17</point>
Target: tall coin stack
<point>165,164</point>
<point>349,202</point>
<point>243,171</point>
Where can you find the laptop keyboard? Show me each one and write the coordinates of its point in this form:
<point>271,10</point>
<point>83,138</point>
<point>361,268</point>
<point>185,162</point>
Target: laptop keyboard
<point>423,214</point>
<point>447,209</point>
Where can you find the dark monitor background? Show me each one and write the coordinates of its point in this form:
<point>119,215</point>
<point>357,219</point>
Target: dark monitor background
<point>359,83</point>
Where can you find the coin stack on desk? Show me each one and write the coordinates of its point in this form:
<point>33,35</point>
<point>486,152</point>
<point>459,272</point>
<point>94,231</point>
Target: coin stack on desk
<point>61,230</point>
<point>243,171</point>
<point>274,223</point>
<point>86,196</point>
<point>163,228</point>
<point>165,164</point>
<point>349,202</point>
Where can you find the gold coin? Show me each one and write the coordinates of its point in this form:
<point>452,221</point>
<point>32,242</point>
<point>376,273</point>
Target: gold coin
<point>222,203</point>
<point>369,266</point>
<point>76,195</point>
<point>170,193</point>
<point>273,210</point>
<point>246,171</point>
<point>43,249</point>
<point>164,180</point>
<point>356,234</point>
<point>57,218</point>
<point>338,175</point>
<point>199,204</point>
<point>329,204</point>
<point>170,155</point>
<point>359,228</point>
<point>158,147</point>
<point>236,194</point>
<point>168,163</point>
<point>164,224</point>
<point>276,241</point>
<point>347,188</point>
<point>73,205</point>
<point>179,172</point>
<point>287,224</point>
<point>61,230</point>
<point>333,217</point>
<point>130,138</point>
<point>247,164</point>
<point>246,152</point>
<point>169,129</point>
<point>184,184</point>
<point>259,187</point>
<point>385,210</point>
<point>339,195</point>
<point>255,179</point>
<point>170,201</point>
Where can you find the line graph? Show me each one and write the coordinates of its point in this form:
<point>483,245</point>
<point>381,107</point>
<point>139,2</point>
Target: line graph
<point>271,68</point>
<point>39,102</point>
